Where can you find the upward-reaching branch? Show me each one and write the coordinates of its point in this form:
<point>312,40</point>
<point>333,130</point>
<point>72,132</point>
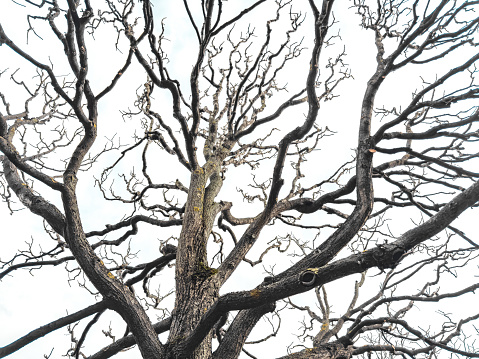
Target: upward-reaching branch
<point>156,225</point>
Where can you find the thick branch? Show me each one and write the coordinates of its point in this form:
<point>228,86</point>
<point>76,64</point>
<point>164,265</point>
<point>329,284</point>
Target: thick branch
<point>50,327</point>
<point>235,337</point>
<point>128,341</point>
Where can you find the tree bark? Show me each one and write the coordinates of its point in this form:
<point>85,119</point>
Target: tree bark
<point>329,351</point>
<point>196,286</point>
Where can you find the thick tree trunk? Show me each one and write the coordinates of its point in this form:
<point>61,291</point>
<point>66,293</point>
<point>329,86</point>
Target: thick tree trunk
<point>196,287</point>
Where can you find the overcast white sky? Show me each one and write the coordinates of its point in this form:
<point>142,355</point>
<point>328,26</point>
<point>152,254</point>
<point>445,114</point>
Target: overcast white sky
<point>29,300</point>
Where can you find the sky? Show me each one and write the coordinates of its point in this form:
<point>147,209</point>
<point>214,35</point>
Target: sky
<point>28,300</point>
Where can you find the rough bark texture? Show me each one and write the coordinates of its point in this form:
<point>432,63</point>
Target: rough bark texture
<point>330,351</point>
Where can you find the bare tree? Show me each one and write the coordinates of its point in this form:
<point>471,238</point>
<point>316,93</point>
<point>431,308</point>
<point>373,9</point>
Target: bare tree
<point>308,212</point>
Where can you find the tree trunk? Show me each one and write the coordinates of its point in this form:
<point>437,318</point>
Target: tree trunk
<point>196,287</point>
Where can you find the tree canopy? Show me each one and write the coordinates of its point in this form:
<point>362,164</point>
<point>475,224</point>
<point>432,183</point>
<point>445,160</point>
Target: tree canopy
<point>225,179</point>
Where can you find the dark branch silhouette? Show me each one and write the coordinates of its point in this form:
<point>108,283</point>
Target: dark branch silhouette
<point>229,155</point>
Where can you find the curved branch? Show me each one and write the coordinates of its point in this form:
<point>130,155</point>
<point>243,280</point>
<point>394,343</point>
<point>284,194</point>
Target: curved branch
<point>50,327</point>
<point>35,203</point>
<point>132,221</point>
<point>236,18</point>
<point>237,333</point>
<point>128,341</point>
